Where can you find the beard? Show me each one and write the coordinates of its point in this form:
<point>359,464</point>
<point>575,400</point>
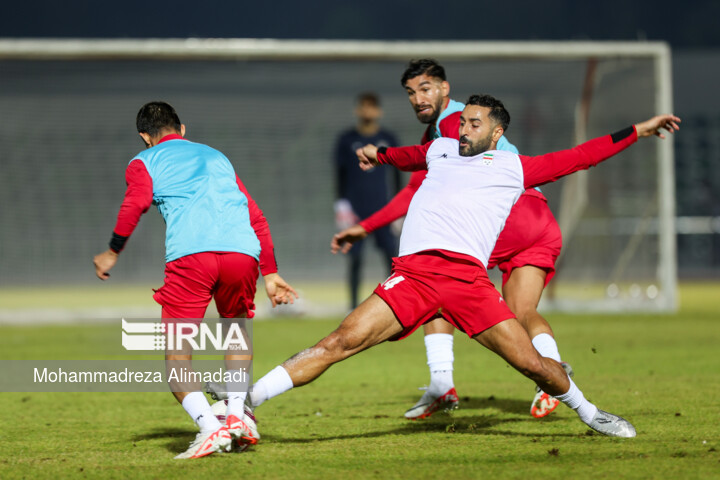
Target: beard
<point>432,116</point>
<point>472,149</point>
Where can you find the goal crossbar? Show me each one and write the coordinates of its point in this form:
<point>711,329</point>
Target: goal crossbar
<point>273,49</point>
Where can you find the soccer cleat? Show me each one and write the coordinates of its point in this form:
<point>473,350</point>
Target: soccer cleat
<point>612,425</point>
<point>216,391</point>
<point>430,403</point>
<point>243,430</point>
<point>544,404</point>
<point>207,443</point>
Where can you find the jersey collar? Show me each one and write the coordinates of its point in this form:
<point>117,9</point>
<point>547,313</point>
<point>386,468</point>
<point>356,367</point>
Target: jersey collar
<point>172,136</point>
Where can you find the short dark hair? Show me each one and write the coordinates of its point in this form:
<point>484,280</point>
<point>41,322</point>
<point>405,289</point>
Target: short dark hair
<point>423,66</point>
<point>497,109</point>
<point>368,97</point>
<point>154,117</point>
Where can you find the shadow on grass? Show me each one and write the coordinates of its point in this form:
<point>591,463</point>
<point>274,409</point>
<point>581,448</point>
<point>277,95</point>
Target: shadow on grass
<point>468,426</point>
<point>443,422</point>
<point>178,439</point>
<point>508,405</point>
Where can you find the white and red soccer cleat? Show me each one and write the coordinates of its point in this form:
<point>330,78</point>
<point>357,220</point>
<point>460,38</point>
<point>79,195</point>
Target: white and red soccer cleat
<point>430,403</point>
<point>243,430</point>
<point>543,404</point>
<point>208,443</point>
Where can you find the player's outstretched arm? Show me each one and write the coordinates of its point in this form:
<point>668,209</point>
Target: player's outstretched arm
<point>656,125</point>
<point>552,166</point>
<point>344,240</point>
<point>278,290</point>
<point>408,159</point>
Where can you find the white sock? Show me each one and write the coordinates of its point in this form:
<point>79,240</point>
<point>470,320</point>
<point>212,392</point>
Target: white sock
<point>277,381</point>
<point>439,349</point>
<point>236,393</point>
<point>546,346</point>
<point>575,399</point>
<point>197,406</point>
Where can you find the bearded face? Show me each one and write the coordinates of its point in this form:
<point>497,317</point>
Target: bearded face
<point>468,148</point>
<point>477,131</point>
<point>427,96</point>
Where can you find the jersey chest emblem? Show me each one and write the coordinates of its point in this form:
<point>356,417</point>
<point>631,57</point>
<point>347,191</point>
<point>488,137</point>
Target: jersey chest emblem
<point>487,159</point>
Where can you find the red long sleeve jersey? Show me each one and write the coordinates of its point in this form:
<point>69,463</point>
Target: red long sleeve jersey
<point>399,204</point>
<point>478,192</point>
<point>139,198</point>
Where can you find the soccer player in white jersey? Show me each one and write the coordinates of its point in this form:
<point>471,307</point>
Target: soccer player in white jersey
<point>449,233</point>
<point>525,251</point>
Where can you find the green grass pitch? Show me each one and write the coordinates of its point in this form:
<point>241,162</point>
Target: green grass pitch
<point>662,372</point>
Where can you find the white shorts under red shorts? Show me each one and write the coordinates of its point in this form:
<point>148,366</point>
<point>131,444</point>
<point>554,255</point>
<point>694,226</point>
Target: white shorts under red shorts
<point>431,282</point>
<point>193,280</point>
<point>531,237</point>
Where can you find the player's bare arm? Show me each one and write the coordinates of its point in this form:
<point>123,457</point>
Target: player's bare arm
<point>104,262</point>
<point>656,125</point>
<point>278,290</point>
<point>344,240</point>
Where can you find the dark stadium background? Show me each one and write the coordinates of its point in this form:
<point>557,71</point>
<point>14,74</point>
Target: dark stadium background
<point>689,27</point>
<point>684,24</point>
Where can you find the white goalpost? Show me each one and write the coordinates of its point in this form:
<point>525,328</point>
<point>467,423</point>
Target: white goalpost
<point>276,106</point>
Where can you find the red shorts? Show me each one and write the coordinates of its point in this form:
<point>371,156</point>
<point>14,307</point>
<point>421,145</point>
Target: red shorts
<point>531,237</point>
<point>191,281</point>
<point>427,283</point>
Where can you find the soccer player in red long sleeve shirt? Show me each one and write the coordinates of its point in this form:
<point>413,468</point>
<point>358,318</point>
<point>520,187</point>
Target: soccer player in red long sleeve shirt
<point>450,231</point>
<point>216,239</point>
<point>525,252</point>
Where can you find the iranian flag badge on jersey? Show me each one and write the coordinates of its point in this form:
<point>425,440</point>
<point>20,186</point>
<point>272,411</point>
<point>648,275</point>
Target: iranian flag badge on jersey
<point>487,159</point>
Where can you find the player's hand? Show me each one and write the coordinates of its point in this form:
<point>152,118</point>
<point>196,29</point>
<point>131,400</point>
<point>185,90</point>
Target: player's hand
<point>655,125</point>
<point>367,156</point>
<point>278,290</point>
<point>104,262</point>
<point>343,241</point>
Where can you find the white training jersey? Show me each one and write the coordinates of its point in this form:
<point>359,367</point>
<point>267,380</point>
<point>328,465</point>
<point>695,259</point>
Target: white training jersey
<point>463,202</point>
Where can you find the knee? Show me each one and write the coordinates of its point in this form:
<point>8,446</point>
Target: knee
<point>531,366</point>
<point>522,310</point>
<point>335,346</point>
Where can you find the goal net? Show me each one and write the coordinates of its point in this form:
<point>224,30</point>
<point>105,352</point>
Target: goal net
<point>275,108</point>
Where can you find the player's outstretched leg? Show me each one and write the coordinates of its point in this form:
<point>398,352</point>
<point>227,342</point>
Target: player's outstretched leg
<point>440,394</point>
<point>372,322</point>
<point>509,340</point>
<point>522,292</point>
